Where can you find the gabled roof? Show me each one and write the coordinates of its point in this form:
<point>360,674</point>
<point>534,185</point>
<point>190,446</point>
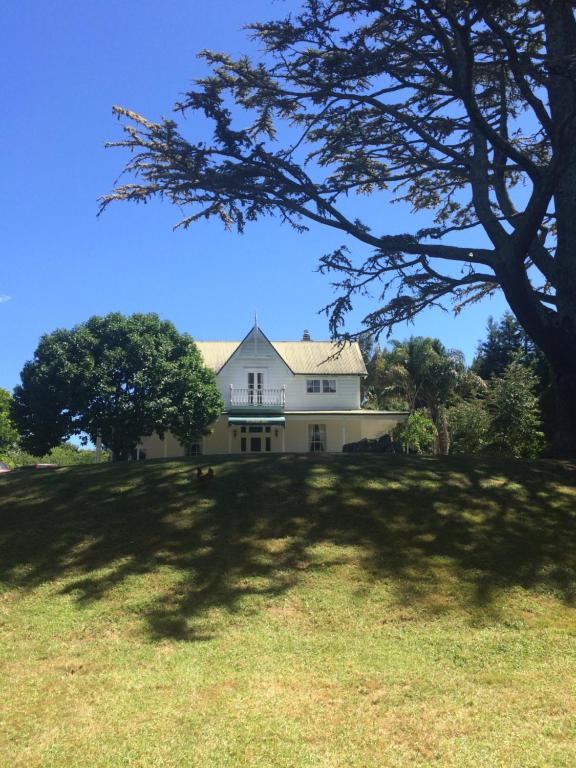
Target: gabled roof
<point>216,353</point>
<point>320,358</point>
<point>316,357</point>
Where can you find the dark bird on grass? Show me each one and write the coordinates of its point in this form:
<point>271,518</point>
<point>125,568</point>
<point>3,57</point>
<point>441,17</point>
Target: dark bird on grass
<point>204,478</point>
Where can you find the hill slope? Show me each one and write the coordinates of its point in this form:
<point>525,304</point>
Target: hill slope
<point>358,611</point>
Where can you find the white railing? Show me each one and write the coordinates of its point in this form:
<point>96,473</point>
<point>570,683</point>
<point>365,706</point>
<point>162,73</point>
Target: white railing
<point>264,398</point>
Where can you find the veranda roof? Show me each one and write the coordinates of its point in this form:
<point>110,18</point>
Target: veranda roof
<point>247,421</point>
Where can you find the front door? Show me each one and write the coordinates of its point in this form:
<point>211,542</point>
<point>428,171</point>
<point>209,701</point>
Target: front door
<point>255,387</point>
<point>257,439</point>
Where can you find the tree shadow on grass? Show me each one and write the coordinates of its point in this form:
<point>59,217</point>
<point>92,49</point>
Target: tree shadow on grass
<point>416,523</point>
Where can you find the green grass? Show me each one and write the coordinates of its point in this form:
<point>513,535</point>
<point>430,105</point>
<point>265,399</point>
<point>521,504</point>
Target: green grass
<point>341,611</point>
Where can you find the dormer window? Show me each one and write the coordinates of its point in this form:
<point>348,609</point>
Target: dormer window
<point>320,386</point>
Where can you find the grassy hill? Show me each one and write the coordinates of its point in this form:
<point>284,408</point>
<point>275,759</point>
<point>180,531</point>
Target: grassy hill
<point>340,611</point>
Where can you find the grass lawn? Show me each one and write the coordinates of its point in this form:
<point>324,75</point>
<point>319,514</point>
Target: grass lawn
<point>341,611</point>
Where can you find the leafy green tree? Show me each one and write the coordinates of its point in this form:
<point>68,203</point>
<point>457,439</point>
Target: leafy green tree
<point>417,373</point>
<point>506,341</point>
<point>465,109</point>
<point>469,423</point>
<point>68,454</point>
<point>64,455</point>
<point>516,428</point>
<point>388,385</point>
<point>417,434</point>
<point>8,432</point>
<point>120,377</point>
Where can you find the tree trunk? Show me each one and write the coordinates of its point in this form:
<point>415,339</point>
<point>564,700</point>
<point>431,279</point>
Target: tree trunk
<point>555,337</point>
<point>119,447</point>
<point>564,442</point>
<point>442,441</point>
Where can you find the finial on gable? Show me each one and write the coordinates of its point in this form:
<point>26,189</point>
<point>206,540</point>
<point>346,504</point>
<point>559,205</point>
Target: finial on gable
<point>255,319</point>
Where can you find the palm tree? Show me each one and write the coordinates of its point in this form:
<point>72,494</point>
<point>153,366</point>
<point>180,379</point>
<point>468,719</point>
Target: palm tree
<point>420,372</point>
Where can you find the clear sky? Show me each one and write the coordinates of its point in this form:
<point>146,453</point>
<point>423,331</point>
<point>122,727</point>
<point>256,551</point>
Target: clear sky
<point>64,64</point>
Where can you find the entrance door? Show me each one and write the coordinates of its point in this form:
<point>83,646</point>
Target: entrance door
<point>257,439</point>
<point>255,387</point>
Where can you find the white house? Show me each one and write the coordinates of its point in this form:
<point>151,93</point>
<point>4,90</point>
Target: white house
<point>283,396</point>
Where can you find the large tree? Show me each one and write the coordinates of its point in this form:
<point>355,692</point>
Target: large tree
<point>118,377</point>
<point>515,424</point>
<point>508,342</point>
<point>466,108</point>
<point>505,342</point>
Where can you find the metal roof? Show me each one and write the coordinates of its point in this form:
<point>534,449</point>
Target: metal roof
<point>321,358</point>
<point>216,353</point>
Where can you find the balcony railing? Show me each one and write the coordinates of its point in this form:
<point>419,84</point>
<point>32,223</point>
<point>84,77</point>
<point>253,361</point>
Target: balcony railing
<point>257,398</point>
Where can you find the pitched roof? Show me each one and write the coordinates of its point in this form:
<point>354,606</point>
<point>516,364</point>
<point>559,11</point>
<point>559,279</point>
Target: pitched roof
<point>216,353</point>
<point>321,357</point>
<point>302,357</point>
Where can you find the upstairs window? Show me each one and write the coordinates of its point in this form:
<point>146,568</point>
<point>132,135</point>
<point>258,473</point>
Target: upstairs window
<point>324,386</point>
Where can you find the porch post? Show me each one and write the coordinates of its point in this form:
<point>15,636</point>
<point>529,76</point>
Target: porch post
<point>343,434</point>
<point>284,438</point>
<point>229,440</point>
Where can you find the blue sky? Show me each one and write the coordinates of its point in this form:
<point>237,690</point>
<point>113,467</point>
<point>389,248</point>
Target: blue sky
<point>64,65</point>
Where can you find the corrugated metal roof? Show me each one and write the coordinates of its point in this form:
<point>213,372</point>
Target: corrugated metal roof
<point>216,353</point>
<point>303,357</point>
<point>321,357</point>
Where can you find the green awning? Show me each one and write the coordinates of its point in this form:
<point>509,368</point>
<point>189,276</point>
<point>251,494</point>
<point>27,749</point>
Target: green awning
<point>247,421</point>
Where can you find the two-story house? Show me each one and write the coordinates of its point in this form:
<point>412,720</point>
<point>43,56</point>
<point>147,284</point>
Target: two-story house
<point>283,396</point>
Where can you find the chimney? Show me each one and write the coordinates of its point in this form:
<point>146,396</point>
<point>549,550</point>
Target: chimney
<point>306,336</point>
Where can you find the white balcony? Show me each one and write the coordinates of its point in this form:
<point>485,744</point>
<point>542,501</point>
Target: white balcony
<point>257,398</point>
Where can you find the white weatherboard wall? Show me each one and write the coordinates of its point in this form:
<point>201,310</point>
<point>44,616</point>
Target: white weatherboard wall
<point>255,354</point>
<point>346,397</point>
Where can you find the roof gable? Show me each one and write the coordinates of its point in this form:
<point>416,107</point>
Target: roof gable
<point>318,358</point>
<point>256,346</point>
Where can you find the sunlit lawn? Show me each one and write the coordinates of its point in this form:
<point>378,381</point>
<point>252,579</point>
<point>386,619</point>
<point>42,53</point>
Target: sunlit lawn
<point>346,611</point>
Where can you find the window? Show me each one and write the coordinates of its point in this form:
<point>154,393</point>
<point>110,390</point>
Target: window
<point>194,449</point>
<point>255,387</point>
<point>324,386</point>
<point>317,437</point>
<point>255,430</point>
<point>268,444</point>
<point>243,445</point>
